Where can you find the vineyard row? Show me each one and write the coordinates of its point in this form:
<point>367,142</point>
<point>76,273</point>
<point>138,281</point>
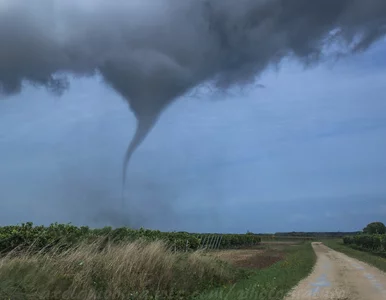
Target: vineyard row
<point>36,238</point>
<point>370,242</point>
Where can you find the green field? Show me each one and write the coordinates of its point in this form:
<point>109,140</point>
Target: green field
<point>62,261</point>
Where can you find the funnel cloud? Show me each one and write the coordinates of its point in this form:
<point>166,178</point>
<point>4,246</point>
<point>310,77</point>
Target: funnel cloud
<point>151,53</point>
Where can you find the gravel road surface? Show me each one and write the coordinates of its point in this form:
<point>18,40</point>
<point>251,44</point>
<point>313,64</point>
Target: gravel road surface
<point>339,277</point>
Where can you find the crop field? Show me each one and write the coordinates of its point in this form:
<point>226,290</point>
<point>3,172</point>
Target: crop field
<point>375,243</point>
<point>63,261</point>
<point>28,236</point>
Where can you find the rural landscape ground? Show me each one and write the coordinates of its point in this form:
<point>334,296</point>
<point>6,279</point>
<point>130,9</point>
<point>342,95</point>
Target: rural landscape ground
<point>205,115</point>
<point>338,276</point>
<point>69,262</point>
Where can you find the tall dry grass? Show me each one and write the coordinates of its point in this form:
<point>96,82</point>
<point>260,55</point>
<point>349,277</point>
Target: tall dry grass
<point>136,270</point>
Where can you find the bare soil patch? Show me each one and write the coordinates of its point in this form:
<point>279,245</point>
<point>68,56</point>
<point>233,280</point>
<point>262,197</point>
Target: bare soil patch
<point>287,243</point>
<point>249,258</point>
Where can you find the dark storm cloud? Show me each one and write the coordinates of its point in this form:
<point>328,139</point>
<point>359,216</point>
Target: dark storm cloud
<point>152,52</point>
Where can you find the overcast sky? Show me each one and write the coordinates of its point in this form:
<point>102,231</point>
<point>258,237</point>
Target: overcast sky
<point>305,153</point>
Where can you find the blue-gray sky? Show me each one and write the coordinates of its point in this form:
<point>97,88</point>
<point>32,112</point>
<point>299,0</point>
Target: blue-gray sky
<point>263,149</point>
<point>307,152</point>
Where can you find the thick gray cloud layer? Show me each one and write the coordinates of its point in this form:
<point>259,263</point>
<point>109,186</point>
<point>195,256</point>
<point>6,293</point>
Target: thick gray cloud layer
<point>152,52</point>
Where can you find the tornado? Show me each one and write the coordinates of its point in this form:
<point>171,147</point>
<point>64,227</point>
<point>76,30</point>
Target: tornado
<point>154,52</point>
<point>144,125</point>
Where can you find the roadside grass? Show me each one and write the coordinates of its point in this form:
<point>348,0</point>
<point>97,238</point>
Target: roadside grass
<point>136,270</point>
<point>272,283</point>
<point>367,257</point>
<point>147,270</point>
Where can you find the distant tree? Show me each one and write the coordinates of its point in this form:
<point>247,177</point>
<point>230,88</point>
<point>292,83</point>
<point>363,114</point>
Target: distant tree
<point>375,228</point>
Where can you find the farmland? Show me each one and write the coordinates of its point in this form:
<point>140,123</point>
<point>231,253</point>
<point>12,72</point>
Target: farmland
<point>375,243</point>
<point>28,236</point>
<point>63,261</point>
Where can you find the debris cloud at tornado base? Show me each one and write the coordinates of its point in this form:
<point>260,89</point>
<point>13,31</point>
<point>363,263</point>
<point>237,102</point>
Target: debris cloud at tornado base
<point>152,52</point>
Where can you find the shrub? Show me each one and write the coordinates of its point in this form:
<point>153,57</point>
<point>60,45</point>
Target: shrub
<point>373,242</point>
<point>375,228</point>
<point>41,238</point>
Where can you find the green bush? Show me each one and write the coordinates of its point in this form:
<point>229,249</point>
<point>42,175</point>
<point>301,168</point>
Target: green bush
<point>38,238</point>
<point>371,242</point>
<point>375,228</point>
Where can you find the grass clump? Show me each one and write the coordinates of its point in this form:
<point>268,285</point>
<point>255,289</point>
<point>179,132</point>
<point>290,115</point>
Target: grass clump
<point>130,270</point>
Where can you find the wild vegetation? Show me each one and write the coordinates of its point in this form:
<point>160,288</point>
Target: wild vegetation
<point>64,236</point>
<point>375,228</point>
<point>373,239</point>
<point>63,261</point>
<point>370,242</point>
<point>128,270</point>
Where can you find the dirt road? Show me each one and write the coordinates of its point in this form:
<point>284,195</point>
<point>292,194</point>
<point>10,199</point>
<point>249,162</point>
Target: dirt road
<point>339,277</point>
